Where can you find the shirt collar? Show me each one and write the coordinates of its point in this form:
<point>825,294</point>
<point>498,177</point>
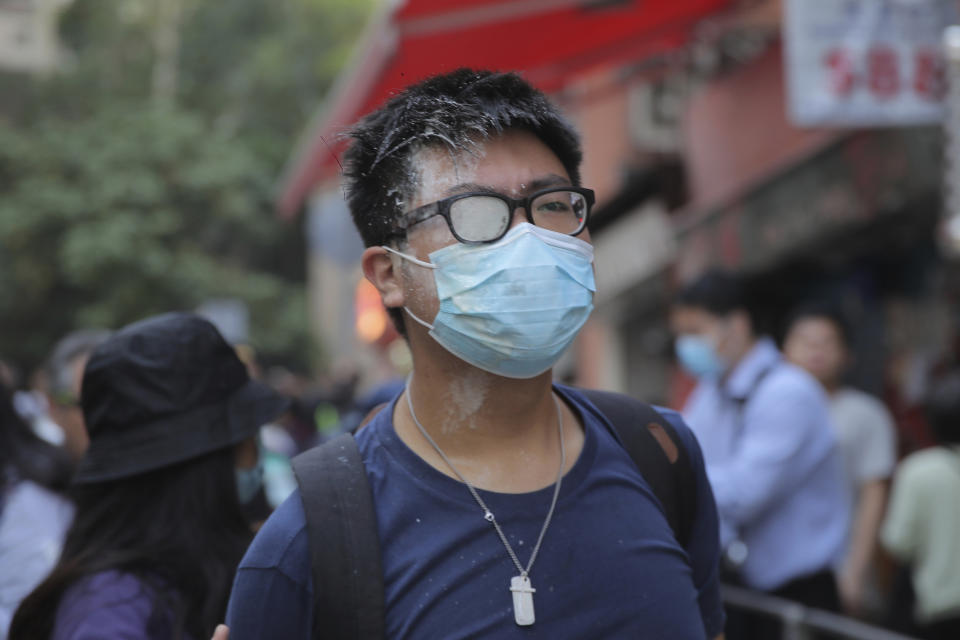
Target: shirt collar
<point>741,381</point>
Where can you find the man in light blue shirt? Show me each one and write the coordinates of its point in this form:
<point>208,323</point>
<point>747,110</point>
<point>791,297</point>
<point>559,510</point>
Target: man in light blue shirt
<point>770,452</point>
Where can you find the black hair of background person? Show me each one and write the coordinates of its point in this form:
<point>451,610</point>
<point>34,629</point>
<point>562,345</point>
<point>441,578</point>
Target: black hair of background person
<point>179,529</point>
<point>823,310</point>
<point>24,456</point>
<point>379,166</point>
<point>942,405</point>
<point>721,292</point>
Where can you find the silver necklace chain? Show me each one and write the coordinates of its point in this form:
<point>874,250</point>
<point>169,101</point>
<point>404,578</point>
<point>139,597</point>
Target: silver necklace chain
<point>487,513</point>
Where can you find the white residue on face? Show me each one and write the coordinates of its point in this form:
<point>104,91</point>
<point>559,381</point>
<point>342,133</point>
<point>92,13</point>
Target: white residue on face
<point>439,169</point>
<point>435,170</point>
<point>420,294</point>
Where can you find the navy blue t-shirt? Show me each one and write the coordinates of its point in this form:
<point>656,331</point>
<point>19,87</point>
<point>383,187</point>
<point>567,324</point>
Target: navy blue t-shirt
<point>609,566</point>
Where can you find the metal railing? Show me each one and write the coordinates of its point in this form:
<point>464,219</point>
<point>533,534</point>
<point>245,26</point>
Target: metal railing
<point>801,622</point>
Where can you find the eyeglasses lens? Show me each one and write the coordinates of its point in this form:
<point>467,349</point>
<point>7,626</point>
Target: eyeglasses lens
<point>479,218</point>
<point>560,211</point>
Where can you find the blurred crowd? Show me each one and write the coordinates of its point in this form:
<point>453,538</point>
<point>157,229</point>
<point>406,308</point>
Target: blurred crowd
<point>802,465</point>
<point>169,410</point>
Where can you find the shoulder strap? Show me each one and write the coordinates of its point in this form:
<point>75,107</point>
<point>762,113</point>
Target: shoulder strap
<point>344,545</point>
<point>741,402</point>
<point>656,449</point>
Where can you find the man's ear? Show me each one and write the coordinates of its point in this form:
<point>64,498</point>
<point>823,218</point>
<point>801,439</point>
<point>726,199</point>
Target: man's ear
<point>378,268</point>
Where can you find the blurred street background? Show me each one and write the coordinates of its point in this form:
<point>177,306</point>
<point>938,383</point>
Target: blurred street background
<point>183,155</point>
<point>160,155</point>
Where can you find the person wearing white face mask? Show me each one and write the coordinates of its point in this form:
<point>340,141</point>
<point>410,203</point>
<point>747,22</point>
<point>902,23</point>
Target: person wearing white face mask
<point>770,451</point>
<point>505,506</point>
<point>502,307</point>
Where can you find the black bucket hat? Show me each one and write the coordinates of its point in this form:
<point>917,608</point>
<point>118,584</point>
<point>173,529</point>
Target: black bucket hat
<point>164,390</point>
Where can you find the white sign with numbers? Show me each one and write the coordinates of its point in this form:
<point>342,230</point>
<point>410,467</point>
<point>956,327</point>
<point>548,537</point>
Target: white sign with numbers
<point>866,62</point>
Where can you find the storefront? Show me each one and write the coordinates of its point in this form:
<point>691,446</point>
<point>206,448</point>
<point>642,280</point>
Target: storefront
<point>847,215</point>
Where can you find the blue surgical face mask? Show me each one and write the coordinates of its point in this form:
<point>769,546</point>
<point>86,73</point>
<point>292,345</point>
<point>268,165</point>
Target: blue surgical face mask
<point>511,307</point>
<point>249,481</point>
<point>698,356</point>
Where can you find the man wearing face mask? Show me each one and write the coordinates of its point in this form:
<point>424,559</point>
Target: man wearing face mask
<point>770,451</point>
<point>505,505</point>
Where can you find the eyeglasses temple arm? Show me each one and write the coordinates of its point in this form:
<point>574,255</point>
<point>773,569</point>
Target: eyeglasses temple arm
<point>418,215</point>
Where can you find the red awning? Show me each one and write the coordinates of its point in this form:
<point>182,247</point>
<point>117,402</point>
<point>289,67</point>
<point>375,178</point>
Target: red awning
<point>548,40</point>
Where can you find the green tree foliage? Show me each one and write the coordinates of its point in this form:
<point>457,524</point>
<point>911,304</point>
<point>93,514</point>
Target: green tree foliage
<point>133,213</point>
<point>117,202</point>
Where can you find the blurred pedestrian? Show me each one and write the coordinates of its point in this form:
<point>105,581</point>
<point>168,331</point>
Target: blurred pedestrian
<point>818,340</point>
<point>9,375</point>
<point>158,530</point>
<point>34,515</point>
<point>922,526</point>
<point>62,379</point>
<point>379,396</point>
<point>770,450</point>
<point>483,487</point>
<point>270,479</point>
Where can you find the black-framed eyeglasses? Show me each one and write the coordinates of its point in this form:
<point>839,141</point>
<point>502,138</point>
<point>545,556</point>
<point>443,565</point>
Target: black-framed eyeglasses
<point>484,216</point>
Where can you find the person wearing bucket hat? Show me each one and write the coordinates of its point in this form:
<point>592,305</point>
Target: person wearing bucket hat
<point>159,528</point>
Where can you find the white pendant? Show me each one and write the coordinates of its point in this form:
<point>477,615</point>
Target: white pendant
<point>522,600</point>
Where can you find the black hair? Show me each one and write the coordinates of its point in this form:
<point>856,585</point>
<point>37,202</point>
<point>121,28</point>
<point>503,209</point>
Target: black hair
<point>717,291</point>
<point>456,110</point>
<point>942,406</point>
<point>24,456</point>
<point>179,530</point>
<point>820,310</point>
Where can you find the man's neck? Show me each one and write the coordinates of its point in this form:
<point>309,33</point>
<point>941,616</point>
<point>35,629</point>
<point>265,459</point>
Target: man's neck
<point>500,433</point>
<point>738,357</point>
<point>468,408</point>
<point>831,386</point>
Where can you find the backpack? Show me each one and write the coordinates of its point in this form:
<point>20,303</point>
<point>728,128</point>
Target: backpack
<point>342,524</point>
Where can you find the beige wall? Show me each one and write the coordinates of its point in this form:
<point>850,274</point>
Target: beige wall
<point>631,250</point>
<point>601,115</point>
<point>736,132</point>
<point>28,34</point>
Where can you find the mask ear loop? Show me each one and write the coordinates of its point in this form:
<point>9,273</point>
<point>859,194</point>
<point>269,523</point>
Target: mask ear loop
<point>414,260</point>
<point>418,320</point>
<point>405,256</point>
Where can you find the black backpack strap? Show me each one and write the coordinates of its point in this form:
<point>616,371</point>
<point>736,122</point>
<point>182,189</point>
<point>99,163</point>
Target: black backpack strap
<point>656,449</point>
<point>740,402</point>
<point>344,545</point>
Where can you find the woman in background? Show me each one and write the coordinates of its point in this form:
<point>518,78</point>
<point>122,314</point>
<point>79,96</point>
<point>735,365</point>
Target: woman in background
<point>158,532</point>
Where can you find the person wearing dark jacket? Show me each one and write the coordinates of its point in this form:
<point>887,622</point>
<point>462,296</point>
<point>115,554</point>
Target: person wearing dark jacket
<point>159,529</point>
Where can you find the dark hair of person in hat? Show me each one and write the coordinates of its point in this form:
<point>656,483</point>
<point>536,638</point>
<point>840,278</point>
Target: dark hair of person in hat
<point>159,529</point>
